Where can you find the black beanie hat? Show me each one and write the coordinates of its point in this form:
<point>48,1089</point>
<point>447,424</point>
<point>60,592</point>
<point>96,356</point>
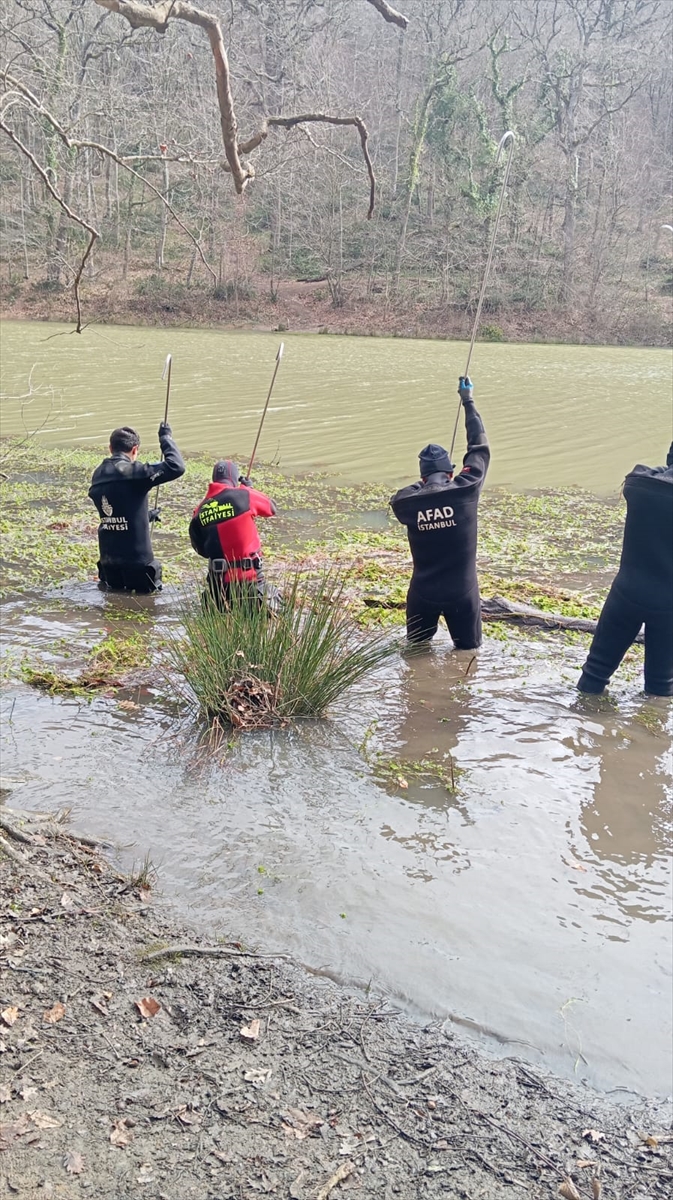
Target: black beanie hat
<point>434,458</point>
<point>225,471</point>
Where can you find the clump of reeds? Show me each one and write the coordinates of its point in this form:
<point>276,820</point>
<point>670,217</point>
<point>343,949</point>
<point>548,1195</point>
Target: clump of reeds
<point>249,668</point>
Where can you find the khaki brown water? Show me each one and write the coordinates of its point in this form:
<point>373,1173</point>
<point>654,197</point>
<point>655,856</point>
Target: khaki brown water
<point>531,910</point>
<point>361,408</point>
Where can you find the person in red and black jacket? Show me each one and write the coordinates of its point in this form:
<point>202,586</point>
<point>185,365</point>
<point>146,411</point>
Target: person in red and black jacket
<point>440,513</point>
<point>223,530</point>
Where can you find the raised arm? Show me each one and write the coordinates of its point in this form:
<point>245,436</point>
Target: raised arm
<point>478,455</point>
<point>172,466</point>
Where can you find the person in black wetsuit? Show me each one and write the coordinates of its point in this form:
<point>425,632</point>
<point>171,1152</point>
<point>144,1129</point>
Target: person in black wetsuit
<point>440,514</point>
<point>119,489</point>
<point>642,590</point>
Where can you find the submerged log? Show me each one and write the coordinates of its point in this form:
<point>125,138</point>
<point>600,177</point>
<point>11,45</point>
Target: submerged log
<point>498,609</point>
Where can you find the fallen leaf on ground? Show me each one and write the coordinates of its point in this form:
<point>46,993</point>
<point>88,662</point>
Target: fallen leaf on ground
<point>26,1091</point>
<point>586,1162</point>
<point>339,1175</point>
<point>148,1006</point>
<point>55,1013</point>
<point>578,867</point>
<point>42,1120</point>
<point>73,1162</point>
<point>67,901</point>
<point>298,1124</point>
<point>120,1134</point>
<point>9,1015</point>
<point>596,1188</point>
<point>569,1191</point>
<point>13,1130</point>
<point>593,1135</point>
<point>5,1093</point>
<point>146,1174</point>
<point>250,1032</point>
<point>128,704</point>
<point>223,1158</point>
<point>402,781</point>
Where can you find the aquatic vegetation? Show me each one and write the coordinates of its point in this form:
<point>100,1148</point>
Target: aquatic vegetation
<point>107,668</point>
<point>401,771</point>
<point>249,669</point>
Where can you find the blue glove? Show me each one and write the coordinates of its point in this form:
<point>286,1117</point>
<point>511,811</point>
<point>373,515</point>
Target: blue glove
<point>165,430</point>
<point>465,389</point>
<point>244,480</point>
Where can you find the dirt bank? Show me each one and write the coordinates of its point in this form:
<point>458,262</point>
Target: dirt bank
<point>305,306</point>
<point>252,1077</point>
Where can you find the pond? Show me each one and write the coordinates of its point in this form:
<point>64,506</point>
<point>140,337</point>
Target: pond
<point>531,908</point>
<point>360,408</point>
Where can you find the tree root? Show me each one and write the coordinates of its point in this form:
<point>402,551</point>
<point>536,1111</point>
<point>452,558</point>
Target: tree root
<point>211,951</point>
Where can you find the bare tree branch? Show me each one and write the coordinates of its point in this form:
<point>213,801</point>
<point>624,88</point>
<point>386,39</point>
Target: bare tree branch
<point>140,14</point>
<point>91,230</point>
<point>75,144</point>
<point>313,118</point>
<point>389,14</point>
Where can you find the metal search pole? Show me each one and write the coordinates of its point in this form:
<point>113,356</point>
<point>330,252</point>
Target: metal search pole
<point>506,137</point>
<point>165,374</point>
<point>279,355</point>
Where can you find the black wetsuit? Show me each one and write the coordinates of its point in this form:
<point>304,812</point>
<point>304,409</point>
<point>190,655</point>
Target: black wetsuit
<point>119,489</point>
<point>441,519</point>
<point>642,591</point>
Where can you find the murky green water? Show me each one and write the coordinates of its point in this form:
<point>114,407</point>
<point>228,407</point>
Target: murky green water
<point>359,407</point>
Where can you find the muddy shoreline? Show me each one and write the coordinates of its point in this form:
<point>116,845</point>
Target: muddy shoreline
<point>304,306</point>
<point>253,1077</point>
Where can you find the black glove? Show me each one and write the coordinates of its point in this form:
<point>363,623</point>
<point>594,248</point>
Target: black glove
<point>154,515</point>
<point>244,480</point>
<point>465,389</point>
<point>165,430</point>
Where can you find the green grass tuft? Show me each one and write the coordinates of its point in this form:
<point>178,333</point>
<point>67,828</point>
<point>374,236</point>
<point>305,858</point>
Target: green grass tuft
<point>249,669</point>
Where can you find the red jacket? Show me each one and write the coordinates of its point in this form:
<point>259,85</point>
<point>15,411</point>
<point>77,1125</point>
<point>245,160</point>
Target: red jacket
<point>223,526</point>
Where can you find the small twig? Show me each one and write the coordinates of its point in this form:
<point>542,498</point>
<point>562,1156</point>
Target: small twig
<point>339,1175</point>
<point>409,1137</point>
<point>18,1070</point>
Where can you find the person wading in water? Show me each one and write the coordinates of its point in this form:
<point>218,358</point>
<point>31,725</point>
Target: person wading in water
<point>119,489</point>
<point>440,514</point>
<point>642,590</point>
<point>223,530</point>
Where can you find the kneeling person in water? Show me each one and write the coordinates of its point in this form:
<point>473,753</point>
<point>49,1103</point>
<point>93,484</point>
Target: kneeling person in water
<point>119,489</point>
<point>440,513</point>
<point>223,530</point>
<point>642,590</point>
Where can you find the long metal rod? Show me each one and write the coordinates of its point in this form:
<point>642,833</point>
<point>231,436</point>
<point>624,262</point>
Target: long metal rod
<point>509,136</point>
<point>165,374</point>
<point>279,355</point>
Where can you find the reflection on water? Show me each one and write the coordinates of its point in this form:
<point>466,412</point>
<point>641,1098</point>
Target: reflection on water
<point>533,905</point>
<point>360,407</point>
